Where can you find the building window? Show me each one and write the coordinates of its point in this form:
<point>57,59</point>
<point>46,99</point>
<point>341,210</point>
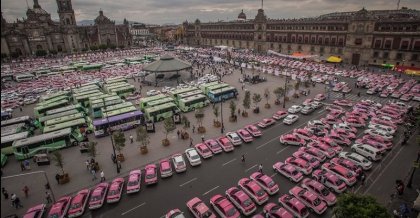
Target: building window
<point>404,45</point>
<point>300,48</point>
<point>313,40</point>
<point>385,55</point>
<point>387,44</point>
<point>272,45</point>
<point>358,41</point>
<point>399,56</point>
<point>289,47</point>
<point>333,40</point>
<point>293,39</point>
<point>377,43</point>
<point>319,40</point>
<point>340,41</point>
<point>326,41</point>
<point>416,46</point>
<point>414,57</point>
<point>340,51</point>
<point>312,48</point>
<point>306,39</point>
<point>375,54</point>
<point>321,49</point>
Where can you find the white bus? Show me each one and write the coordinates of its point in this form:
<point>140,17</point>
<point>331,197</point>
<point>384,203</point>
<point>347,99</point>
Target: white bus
<point>23,77</point>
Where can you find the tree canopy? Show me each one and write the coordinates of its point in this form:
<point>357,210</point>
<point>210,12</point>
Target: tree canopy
<point>353,206</point>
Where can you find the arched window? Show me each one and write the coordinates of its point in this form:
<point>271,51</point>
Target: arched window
<point>68,21</point>
<point>18,51</point>
<point>59,48</point>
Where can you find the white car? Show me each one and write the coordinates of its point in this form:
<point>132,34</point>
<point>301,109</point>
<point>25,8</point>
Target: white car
<point>193,157</point>
<point>179,163</point>
<point>357,159</point>
<point>346,127</point>
<point>316,104</point>
<point>376,132</point>
<point>234,138</point>
<point>294,109</point>
<point>290,119</point>
<point>152,92</point>
<point>318,123</point>
<point>383,128</point>
<point>367,151</point>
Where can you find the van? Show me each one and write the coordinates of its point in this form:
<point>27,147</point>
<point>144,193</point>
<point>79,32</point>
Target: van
<point>367,151</point>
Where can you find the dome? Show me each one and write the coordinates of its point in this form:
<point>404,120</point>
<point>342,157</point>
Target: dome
<point>242,16</point>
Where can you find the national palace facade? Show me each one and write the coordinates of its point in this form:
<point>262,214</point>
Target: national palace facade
<point>361,37</point>
<point>39,32</point>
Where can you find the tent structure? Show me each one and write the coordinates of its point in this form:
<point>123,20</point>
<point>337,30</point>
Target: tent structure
<point>334,59</point>
<point>165,64</point>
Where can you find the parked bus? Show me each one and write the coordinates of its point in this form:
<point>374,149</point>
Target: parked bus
<point>204,86</point>
<point>160,102</point>
<point>107,87</point>
<point>77,107</point>
<point>78,126</point>
<point>188,94</point>
<point>64,119</point>
<point>92,67</point>
<point>118,111</point>
<point>175,94</point>
<point>192,102</point>
<point>84,99</point>
<point>40,110</point>
<point>40,123</point>
<point>5,115</point>
<point>97,105</point>
<point>54,95</point>
<point>223,93</point>
<point>119,122</point>
<point>160,112</point>
<point>24,119</point>
<point>124,91</point>
<point>144,102</point>
<point>27,148</point>
<point>13,129</point>
<point>115,80</point>
<point>84,93</point>
<point>52,100</point>
<point>7,142</point>
<point>23,77</point>
<point>42,72</point>
<point>117,106</point>
<point>216,87</point>
<point>84,89</point>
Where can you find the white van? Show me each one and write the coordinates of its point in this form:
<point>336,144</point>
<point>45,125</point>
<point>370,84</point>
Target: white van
<point>367,151</point>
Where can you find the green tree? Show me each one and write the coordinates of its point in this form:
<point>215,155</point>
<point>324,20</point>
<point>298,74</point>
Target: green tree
<point>93,47</point>
<point>232,107</point>
<point>256,98</point>
<point>119,140</point>
<point>279,92</point>
<point>353,205</point>
<point>169,126</point>
<point>103,47</point>
<point>40,53</point>
<point>297,86</point>
<point>267,94</point>
<point>142,136</point>
<point>247,100</point>
<point>58,159</point>
<point>113,47</point>
<point>216,112</point>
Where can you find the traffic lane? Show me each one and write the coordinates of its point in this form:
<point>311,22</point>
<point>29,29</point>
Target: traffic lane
<point>207,179</point>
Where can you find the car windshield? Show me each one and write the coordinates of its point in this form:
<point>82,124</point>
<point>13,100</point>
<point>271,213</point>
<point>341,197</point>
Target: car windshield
<point>260,193</point>
<point>96,198</point>
<point>339,182</point>
<point>113,192</point>
<point>132,183</point>
<point>194,157</point>
<point>270,184</point>
<point>231,212</point>
<point>75,206</point>
<point>150,176</point>
<point>207,214</point>
<point>317,202</point>
<point>247,202</point>
<point>294,172</point>
<point>54,215</point>
<point>235,138</point>
<point>325,192</point>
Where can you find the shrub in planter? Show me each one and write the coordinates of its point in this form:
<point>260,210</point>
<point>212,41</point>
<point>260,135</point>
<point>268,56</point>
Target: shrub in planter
<point>185,135</point>
<point>201,129</point>
<point>165,142</point>
<point>65,178</point>
<point>244,114</point>
<point>216,123</point>
<point>267,105</point>
<point>120,157</point>
<point>144,150</point>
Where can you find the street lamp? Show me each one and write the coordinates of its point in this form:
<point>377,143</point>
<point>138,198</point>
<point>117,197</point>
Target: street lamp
<point>108,130</point>
<point>222,129</point>
<point>410,181</point>
<point>285,91</point>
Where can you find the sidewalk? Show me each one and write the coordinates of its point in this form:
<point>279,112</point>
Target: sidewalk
<point>80,177</point>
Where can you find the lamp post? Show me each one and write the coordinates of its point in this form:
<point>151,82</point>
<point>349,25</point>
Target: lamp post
<point>108,130</point>
<point>285,91</point>
<point>410,181</point>
<point>222,129</point>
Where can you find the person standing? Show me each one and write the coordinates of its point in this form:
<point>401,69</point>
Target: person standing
<point>25,191</point>
<point>13,199</point>
<point>102,176</point>
<point>18,203</point>
<point>202,138</point>
<point>243,158</point>
<point>27,166</point>
<point>93,172</point>
<point>22,166</point>
<point>57,178</point>
<point>191,142</point>
<point>131,139</point>
<point>48,197</point>
<point>260,168</point>
<point>193,128</point>
<point>178,133</point>
<point>4,192</point>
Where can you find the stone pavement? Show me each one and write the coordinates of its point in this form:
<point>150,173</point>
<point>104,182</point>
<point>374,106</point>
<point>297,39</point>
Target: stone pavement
<point>75,161</point>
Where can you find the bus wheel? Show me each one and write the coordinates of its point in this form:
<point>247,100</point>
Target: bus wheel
<point>75,143</point>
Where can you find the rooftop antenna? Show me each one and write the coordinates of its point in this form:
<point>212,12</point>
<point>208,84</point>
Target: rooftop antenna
<point>398,4</point>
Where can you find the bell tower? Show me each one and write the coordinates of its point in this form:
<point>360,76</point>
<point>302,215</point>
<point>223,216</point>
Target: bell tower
<point>66,13</point>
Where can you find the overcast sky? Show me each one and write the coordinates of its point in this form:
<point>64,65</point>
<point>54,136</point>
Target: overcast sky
<point>176,11</point>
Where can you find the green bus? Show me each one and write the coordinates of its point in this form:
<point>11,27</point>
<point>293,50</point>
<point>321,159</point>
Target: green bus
<point>144,102</point>
<point>100,97</point>
<point>117,106</point>
<point>175,94</point>
<point>107,87</point>
<point>53,95</point>
<point>77,107</point>
<point>204,86</point>
<point>78,126</point>
<point>13,129</point>
<point>52,100</point>
<point>124,91</point>
<point>78,94</point>
<point>97,105</point>
<point>118,111</point>
<point>216,87</point>
<point>7,142</point>
<point>188,94</point>
<point>42,109</point>
<point>64,119</point>
<point>92,67</point>
<point>41,120</point>
<point>27,148</point>
<point>84,89</point>
<point>160,102</point>
<point>160,112</point>
<point>115,80</point>
<point>192,102</point>
<point>79,64</point>
<point>84,99</point>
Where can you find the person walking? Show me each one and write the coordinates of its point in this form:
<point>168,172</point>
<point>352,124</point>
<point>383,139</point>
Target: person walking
<point>18,203</point>
<point>26,191</point>
<point>362,178</point>
<point>191,142</point>
<point>260,168</point>
<point>87,164</point>
<point>57,178</point>
<point>102,176</point>
<point>48,197</point>
<point>202,138</point>
<point>26,163</point>
<point>5,193</point>
<point>22,166</point>
<point>131,139</point>
<point>243,158</point>
<point>193,128</point>
<point>178,133</point>
<point>93,172</point>
<point>13,199</point>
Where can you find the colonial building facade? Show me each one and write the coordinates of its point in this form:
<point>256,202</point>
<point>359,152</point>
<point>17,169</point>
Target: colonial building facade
<point>39,32</point>
<point>360,37</point>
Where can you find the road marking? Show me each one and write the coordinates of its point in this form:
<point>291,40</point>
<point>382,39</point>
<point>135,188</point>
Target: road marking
<point>278,152</point>
<point>128,211</point>
<point>229,162</point>
<point>380,174</point>
<point>266,143</point>
<point>250,168</point>
<point>274,174</point>
<point>205,193</point>
<point>192,180</point>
